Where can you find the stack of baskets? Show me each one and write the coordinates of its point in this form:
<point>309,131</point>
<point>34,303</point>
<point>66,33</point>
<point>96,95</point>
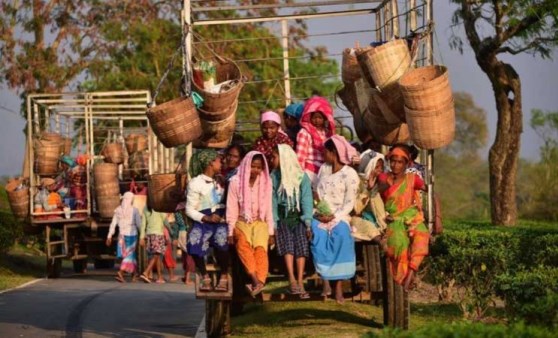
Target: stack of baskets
<point>107,188</point>
<point>218,112</point>
<point>138,155</point>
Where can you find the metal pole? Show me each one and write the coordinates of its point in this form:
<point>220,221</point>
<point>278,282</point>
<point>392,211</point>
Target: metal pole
<point>395,21</point>
<point>30,155</point>
<point>286,73</point>
<point>121,141</point>
<point>187,23</point>
<point>89,152</point>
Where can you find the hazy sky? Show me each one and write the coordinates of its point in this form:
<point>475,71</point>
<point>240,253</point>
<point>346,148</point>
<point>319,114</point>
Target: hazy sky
<point>539,82</point>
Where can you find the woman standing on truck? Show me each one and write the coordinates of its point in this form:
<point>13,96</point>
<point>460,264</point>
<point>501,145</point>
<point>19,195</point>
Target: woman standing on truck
<point>128,220</point>
<point>272,135</point>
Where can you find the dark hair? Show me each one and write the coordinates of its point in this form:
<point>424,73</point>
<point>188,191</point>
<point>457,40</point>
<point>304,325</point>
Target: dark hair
<point>261,158</point>
<point>330,145</point>
<point>240,148</point>
<point>414,152</point>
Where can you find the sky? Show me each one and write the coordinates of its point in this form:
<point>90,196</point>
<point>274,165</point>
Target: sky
<point>539,82</point>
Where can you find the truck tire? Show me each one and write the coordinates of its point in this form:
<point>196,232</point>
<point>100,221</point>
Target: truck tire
<point>217,318</point>
<point>54,267</point>
<point>397,309</point>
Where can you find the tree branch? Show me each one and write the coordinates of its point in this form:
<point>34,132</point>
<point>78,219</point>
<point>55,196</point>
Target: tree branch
<point>523,25</point>
<point>531,45</point>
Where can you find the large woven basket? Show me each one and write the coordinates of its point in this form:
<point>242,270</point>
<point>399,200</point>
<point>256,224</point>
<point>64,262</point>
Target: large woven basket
<point>105,172</point>
<point>350,69</point>
<point>175,122</point>
<point>107,188</point>
<point>386,133</point>
<point>219,131</point>
<point>390,103</point>
<point>135,143</point>
<point>432,129</point>
<point>348,97</point>
<point>67,146</point>
<point>386,63</point>
<point>107,204</point>
<point>166,191</point>
<point>426,88</point>
<point>215,102</point>
<point>138,164</point>
<point>47,154</point>
<point>218,115</point>
<point>113,153</point>
<point>19,200</point>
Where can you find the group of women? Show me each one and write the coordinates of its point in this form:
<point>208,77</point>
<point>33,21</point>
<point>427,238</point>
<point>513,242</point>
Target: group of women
<point>304,190</point>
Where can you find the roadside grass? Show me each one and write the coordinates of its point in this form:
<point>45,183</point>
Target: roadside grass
<point>20,265</point>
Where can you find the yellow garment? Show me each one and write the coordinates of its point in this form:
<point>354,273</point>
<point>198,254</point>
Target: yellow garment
<point>256,233</point>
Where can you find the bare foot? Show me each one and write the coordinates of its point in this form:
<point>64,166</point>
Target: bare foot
<point>408,283</point>
<point>339,298</point>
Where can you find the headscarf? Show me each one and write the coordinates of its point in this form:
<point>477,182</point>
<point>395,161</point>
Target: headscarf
<point>45,182</point>
<point>82,160</point>
<point>345,150</point>
<point>270,116</point>
<point>68,160</point>
<point>291,176</point>
<point>368,161</point>
<point>200,160</point>
<point>295,110</point>
<point>399,151</point>
<point>314,104</point>
<point>125,211</point>
<point>264,187</point>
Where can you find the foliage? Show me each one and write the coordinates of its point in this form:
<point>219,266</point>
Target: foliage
<point>531,295</point>
<point>9,228</point>
<point>501,27</point>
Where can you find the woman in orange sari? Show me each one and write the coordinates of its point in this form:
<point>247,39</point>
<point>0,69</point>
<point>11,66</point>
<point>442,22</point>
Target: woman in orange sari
<point>407,236</point>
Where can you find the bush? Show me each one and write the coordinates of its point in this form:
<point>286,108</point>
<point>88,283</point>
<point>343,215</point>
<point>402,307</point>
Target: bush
<point>531,295</point>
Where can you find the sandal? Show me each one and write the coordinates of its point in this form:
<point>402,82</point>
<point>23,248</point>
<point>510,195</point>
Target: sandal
<point>294,289</point>
<point>120,279</point>
<point>257,290</point>
<point>145,279</point>
<point>223,285</point>
<point>303,294</point>
<point>205,285</point>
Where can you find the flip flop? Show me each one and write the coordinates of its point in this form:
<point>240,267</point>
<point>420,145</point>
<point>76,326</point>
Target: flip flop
<point>304,295</point>
<point>160,281</point>
<point>205,285</point>
<point>145,279</point>
<point>120,279</point>
<point>257,290</point>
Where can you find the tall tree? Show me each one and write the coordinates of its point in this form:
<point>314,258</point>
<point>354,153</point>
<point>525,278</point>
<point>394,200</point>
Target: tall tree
<point>494,28</point>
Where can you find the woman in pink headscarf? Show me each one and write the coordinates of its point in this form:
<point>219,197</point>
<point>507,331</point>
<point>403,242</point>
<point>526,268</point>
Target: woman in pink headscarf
<point>272,135</point>
<point>317,125</point>
<point>250,217</point>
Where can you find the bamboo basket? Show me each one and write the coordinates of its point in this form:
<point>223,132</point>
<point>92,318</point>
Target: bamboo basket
<point>432,129</point>
<point>215,102</point>
<point>386,133</point>
<point>175,122</point>
<point>113,153</point>
<point>390,102</point>
<point>107,204</point>
<point>138,164</point>
<point>348,97</point>
<point>107,188</point>
<point>105,172</point>
<point>217,116</point>
<point>350,69</point>
<point>19,200</point>
<point>166,191</point>
<point>426,88</point>
<point>135,143</point>
<point>219,131</point>
<point>67,146</point>
<point>47,154</point>
<point>386,63</point>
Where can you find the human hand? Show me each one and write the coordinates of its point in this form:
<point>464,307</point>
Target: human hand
<point>142,242</point>
<point>109,241</point>
<point>389,219</point>
<point>175,242</point>
<point>309,234</point>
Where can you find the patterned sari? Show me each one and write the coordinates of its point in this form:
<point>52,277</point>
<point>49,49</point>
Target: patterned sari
<point>407,236</point>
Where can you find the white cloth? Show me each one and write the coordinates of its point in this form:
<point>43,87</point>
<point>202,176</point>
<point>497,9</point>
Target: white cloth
<point>203,192</point>
<point>126,217</point>
<point>339,190</point>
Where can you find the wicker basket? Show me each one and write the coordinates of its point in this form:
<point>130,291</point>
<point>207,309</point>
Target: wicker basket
<point>386,63</point>
<point>219,131</point>
<point>175,122</point>
<point>105,172</point>
<point>432,129</point>
<point>166,191</point>
<point>138,164</point>
<point>67,146</point>
<point>390,103</point>
<point>217,116</point>
<point>350,69</point>
<point>107,188</point>
<point>347,94</point>
<point>107,204</point>
<point>135,143</point>
<point>47,154</point>
<point>426,88</point>
<point>386,133</point>
<point>19,200</point>
<point>113,153</point>
<point>216,102</point>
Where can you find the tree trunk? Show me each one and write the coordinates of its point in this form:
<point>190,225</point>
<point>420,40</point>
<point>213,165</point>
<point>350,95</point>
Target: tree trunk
<point>504,153</point>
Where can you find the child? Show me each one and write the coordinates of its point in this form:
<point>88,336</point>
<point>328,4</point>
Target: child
<point>128,220</point>
<point>292,212</point>
<point>250,217</point>
<point>272,134</point>
<point>291,116</point>
<point>317,125</point>
<point>204,206</point>
<point>171,236</point>
<point>152,236</point>
<point>369,220</point>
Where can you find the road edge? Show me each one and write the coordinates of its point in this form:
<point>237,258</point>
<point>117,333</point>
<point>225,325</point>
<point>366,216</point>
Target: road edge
<point>22,285</point>
<point>201,329</point>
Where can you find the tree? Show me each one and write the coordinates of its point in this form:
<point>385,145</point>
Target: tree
<point>494,28</point>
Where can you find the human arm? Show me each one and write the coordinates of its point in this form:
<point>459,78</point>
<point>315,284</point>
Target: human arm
<point>143,225</point>
<point>193,196</point>
<point>303,147</point>
<point>233,206</point>
<point>275,197</point>
<point>306,201</point>
<point>350,189</point>
<point>112,228</point>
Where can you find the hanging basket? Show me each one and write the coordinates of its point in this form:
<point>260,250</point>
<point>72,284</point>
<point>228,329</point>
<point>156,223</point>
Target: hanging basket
<point>426,88</point>
<point>138,164</point>
<point>350,69</point>
<point>432,129</point>
<point>67,146</point>
<point>113,153</point>
<point>135,143</point>
<point>19,199</point>
<point>386,63</point>
<point>218,131</point>
<point>386,133</point>
<point>226,70</point>
<point>47,154</point>
<point>166,191</point>
<point>175,122</point>
<point>390,103</point>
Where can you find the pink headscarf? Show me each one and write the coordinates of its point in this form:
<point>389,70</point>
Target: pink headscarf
<point>270,116</point>
<point>264,187</point>
<point>314,104</point>
<point>345,150</point>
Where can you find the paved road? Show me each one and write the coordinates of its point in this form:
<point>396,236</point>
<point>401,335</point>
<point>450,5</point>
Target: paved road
<point>98,306</point>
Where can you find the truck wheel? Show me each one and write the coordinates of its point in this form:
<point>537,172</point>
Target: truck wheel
<point>217,318</point>
<point>54,267</point>
<point>397,309</point>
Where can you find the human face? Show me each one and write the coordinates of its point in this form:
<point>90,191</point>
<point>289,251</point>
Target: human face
<point>290,122</point>
<point>317,119</point>
<point>216,164</point>
<point>275,160</point>
<point>51,187</point>
<point>256,168</point>
<point>269,129</point>
<point>232,159</point>
<point>329,156</point>
<point>379,166</point>
<point>398,164</point>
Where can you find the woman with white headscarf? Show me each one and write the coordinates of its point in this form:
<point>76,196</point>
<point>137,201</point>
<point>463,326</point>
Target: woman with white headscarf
<point>128,220</point>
